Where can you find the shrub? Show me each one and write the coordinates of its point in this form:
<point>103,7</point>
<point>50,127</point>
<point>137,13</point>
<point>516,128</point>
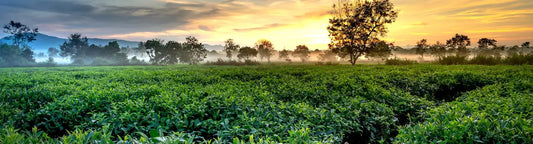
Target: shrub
<point>485,60</point>
<point>519,60</point>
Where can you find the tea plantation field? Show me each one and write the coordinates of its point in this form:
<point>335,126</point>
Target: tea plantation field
<point>267,104</point>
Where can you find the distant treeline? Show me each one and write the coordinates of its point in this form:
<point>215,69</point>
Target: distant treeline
<point>456,50</point>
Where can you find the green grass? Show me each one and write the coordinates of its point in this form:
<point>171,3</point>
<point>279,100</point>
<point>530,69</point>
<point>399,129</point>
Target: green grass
<point>267,104</point>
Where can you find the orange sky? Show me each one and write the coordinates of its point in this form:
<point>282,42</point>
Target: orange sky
<point>286,23</point>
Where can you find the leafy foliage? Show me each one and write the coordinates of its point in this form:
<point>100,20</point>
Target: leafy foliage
<point>265,48</point>
<point>302,52</point>
<point>356,25</point>
<point>230,48</point>
<point>21,34</point>
<point>266,104</point>
<point>246,53</point>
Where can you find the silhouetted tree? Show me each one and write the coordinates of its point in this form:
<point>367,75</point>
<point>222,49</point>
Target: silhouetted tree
<point>284,55</point>
<point>484,45</point>
<point>22,34</point>
<point>75,48</point>
<point>113,52</point>
<point>524,45</point>
<point>421,48</point>
<point>264,48</point>
<point>160,53</point>
<point>438,49</point>
<point>193,51</point>
<point>230,48</point>
<point>247,53</point>
<point>302,52</point>
<point>357,24</point>
<point>381,50</point>
<point>459,44</point>
<point>112,48</point>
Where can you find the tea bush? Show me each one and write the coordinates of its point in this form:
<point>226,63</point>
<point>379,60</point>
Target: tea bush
<point>495,114</point>
<point>265,104</point>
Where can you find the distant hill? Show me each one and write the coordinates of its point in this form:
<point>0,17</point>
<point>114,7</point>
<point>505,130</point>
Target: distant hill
<point>43,42</point>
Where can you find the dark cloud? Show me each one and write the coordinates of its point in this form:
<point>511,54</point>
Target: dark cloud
<point>105,19</point>
<point>261,28</point>
<point>205,28</point>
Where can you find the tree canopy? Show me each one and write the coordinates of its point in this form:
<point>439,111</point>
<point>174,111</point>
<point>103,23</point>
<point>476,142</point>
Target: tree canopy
<point>459,44</point>
<point>302,52</point>
<point>421,47</point>
<point>357,24</point>
<point>21,34</point>
<point>230,48</point>
<point>81,53</point>
<point>172,52</point>
<point>265,48</point>
<point>246,53</point>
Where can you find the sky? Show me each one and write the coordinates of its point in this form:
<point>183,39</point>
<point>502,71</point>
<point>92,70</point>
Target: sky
<point>287,23</point>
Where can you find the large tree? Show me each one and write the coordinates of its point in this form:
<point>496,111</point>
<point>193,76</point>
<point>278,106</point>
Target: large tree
<point>264,48</point>
<point>421,47</point>
<point>459,44</point>
<point>22,34</point>
<point>284,55</point>
<point>76,48</point>
<point>485,43</point>
<point>160,53</point>
<point>230,48</point>
<point>484,46</point>
<point>246,53</point>
<point>193,51</point>
<point>356,25</point>
<point>302,52</point>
